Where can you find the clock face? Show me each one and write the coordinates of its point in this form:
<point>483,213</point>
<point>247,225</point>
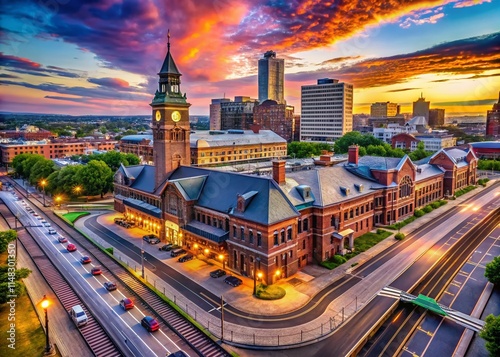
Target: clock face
<point>176,116</point>
<point>158,115</point>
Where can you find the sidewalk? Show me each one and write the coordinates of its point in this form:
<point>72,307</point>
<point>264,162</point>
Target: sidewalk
<point>300,288</point>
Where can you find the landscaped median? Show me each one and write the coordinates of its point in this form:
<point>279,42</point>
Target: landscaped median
<point>269,292</point>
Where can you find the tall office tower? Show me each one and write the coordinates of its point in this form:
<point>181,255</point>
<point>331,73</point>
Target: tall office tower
<point>421,108</point>
<point>384,110</point>
<point>271,78</point>
<point>215,112</point>
<point>436,117</point>
<point>237,114</point>
<point>493,119</point>
<point>326,113</point>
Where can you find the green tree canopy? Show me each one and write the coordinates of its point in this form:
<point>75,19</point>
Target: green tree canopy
<point>491,334</point>
<point>5,238</point>
<point>41,170</point>
<point>492,271</point>
<point>17,163</point>
<point>96,178</point>
<point>355,138</point>
<point>303,149</point>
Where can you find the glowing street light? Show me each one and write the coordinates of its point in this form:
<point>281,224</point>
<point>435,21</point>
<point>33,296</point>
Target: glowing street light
<point>45,304</point>
<point>221,257</point>
<point>58,200</point>
<point>43,182</point>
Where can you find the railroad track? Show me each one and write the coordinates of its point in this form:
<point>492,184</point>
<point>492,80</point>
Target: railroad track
<point>94,335</point>
<point>162,311</point>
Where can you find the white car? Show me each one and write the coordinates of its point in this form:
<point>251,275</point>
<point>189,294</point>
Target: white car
<point>46,224</point>
<point>52,231</point>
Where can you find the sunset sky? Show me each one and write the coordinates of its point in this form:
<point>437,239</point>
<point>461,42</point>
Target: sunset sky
<point>102,56</point>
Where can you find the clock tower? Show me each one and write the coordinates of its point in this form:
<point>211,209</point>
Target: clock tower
<point>170,121</point>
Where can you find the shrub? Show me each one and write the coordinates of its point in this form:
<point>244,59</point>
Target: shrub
<point>435,204</point>
<point>354,264</point>
<point>109,250</point>
<point>418,213</point>
<point>380,231</point>
<point>428,209</point>
<point>338,259</point>
<point>399,236</point>
<point>269,292</point>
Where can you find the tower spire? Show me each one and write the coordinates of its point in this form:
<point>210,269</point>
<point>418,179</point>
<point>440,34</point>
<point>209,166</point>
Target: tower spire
<point>168,40</point>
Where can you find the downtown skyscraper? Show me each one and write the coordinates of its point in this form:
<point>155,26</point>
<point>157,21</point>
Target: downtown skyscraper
<point>271,78</point>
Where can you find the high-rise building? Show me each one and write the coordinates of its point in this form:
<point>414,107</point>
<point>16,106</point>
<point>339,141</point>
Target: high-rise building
<point>237,114</point>
<point>384,110</point>
<point>271,78</point>
<point>326,113</point>
<point>436,117</point>
<point>493,119</point>
<point>421,108</point>
<point>215,112</point>
<point>277,117</point>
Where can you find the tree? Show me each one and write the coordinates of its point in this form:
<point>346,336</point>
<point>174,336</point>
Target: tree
<point>29,163</point>
<point>492,271</point>
<point>17,163</point>
<point>355,138</point>
<point>96,178</point>
<point>41,170</point>
<point>491,334</point>
<point>307,149</point>
<point>7,278</point>
<point>5,238</point>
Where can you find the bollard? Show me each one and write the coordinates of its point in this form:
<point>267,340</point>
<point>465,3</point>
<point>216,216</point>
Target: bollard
<point>194,315</point>
<point>163,290</point>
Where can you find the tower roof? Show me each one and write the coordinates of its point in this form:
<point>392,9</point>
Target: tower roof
<point>169,66</point>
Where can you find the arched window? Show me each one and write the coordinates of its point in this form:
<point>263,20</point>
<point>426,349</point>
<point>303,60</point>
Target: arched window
<point>405,187</point>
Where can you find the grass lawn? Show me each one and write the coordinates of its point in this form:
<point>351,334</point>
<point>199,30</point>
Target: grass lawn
<point>73,216</point>
<point>269,292</point>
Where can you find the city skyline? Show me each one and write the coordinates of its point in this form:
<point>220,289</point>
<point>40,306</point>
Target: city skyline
<point>102,58</point>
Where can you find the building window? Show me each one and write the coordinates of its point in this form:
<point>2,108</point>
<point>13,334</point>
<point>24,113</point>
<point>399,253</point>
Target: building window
<point>250,236</point>
<point>405,187</point>
<point>259,239</point>
<point>304,244</point>
<point>299,226</point>
<point>306,224</point>
<point>289,233</point>
<point>282,236</point>
<point>242,233</point>
<point>275,238</point>
<point>234,232</point>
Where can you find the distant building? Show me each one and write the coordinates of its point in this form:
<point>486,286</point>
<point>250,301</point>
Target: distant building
<point>326,113</point>
<point>54,149</point>
<point>271,115</point>
<point>421,108</point>
<point>237,114</point>
<point>432,142</point>
<point>384,110</point>
<point>215,112</point>
<point>216,147</point>
<point>436,117</point>
<point>486,149</point>
<point>26,132</point>
<point>493,120</point>
<point>271,78</point>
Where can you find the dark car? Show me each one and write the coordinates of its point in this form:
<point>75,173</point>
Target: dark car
<point>119,220</point>
<point>96,271</point>
<point>166,247</point>
<point>85,260</point>
<point>186,258</point>
<point>71,247</point>
<point>151,239</point>
<point>126,303</point>
<point>110,286</point>
<point>150,323</point>
<point>217,273</point>
<point>177,252</point>
<point>233,281</point>
<point>178,354</point>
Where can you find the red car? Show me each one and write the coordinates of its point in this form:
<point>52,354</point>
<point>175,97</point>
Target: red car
<point>85,260</point>
<point>62,239</point>
<point>71,247</point>
<point>126,303</point>
<point>96,271</point>
<point>150,323</point>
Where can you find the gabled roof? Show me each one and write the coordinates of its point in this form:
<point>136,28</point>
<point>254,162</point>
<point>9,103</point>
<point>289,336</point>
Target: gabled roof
<point>424,171</point>
<point>380,163</point>
<point>190,188</point>
<point>142,177</point>
<point>220,191</point>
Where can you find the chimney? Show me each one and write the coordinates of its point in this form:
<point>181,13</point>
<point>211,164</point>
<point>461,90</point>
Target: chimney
<point>255,128</point>
<point>279,171</point>
<point>353,155</point>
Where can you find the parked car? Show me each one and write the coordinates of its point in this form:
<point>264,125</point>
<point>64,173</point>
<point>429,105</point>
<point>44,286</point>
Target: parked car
<point>150,323</point>
<point>178,354</point>
<point>71,247</point>
<point>118,220</point>
<point>62,239</point>
<point>233,281</point>
<point>151,239</point>
<point>166,247</point>
<point>217,273</point>
<point>85,260</point>
<point>126,225</point>
<point>186,258</point>
<point>110,286</point>
<point>96,271</point>
<point>126,303</point>
<point>52,231</point>
<point>177,252</point>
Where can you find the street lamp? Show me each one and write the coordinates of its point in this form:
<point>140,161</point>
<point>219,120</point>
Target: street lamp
<point>206,251</point>
<point>58,200</point>
<point>255,275</point>
<point>45,305</point>
<point>43,183</point>
<point>221,257</point>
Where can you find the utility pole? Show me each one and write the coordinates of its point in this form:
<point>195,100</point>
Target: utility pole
<point>222,318</point>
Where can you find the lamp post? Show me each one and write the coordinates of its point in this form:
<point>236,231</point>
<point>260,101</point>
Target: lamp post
<point>77,190</point>
<point>58,201</point>
<point>221,257</point>
<point>43,183</point>
<point>45,305</point>
<point>255,275</point>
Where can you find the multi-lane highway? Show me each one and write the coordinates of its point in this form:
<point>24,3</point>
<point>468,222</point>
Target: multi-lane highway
<point>124,326</point>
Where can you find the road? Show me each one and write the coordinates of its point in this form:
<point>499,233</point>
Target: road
<point>125,325</point>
